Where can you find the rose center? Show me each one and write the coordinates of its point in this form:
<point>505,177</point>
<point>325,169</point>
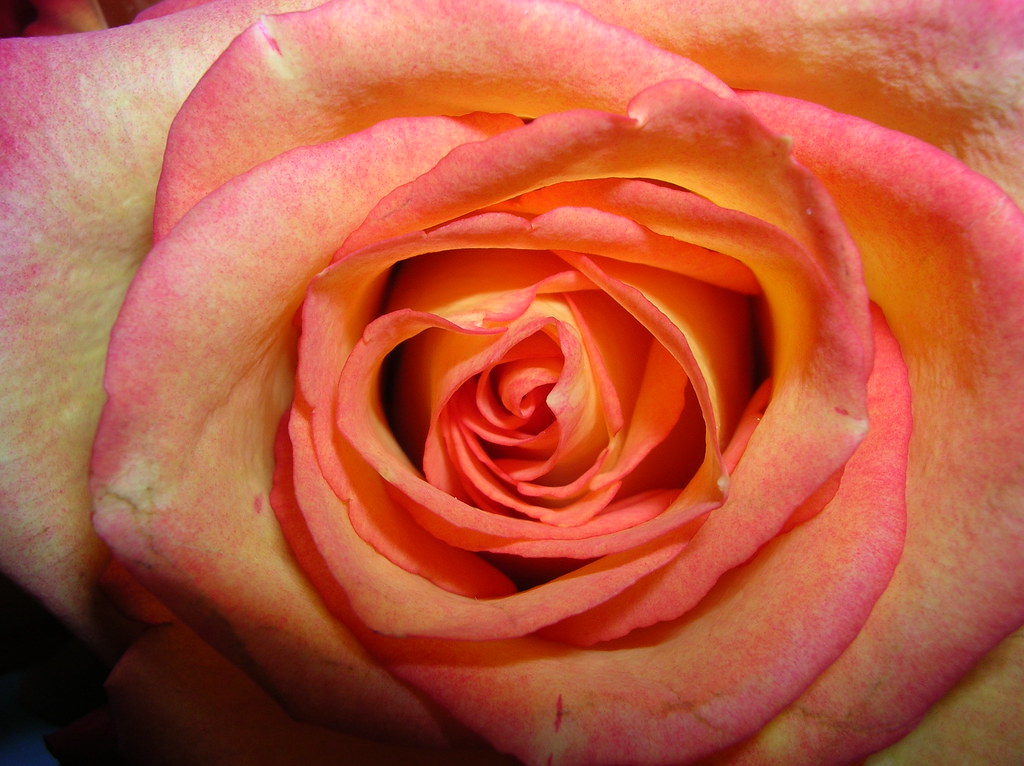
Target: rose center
<point>552,406</point>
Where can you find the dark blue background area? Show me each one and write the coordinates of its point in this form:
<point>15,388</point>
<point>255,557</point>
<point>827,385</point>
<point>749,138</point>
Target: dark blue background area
<point>21,733</point>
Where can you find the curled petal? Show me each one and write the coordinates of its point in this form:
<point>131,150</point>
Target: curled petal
<point>70,155</point>
<point>328,477</point>
<point>717,675</point>
<point>240,587</point>
<point>948,72</point>
<point>384,63</point>
<point>963,346</point>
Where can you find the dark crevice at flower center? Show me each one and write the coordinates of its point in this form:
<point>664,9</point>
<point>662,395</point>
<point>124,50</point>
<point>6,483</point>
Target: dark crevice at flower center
<point>20,14</point>
<point>761,342</point>
<point>527,573</point>
<point>120,12</point>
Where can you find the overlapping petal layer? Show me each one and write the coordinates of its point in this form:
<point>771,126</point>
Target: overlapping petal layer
<point>930,229</point>
<point>706,680</point>
<point>134,482</point>
<point>948,72</point>
<point>678,132</point>
<point>154,497</point>
<point>385,63</point>
<point>235,376</point>
<point>357,410</point>
<point>587,145</point>
<point>83,126</point>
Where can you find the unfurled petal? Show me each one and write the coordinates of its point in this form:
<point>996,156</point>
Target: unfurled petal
<point>927,228</point>
<point>83,127</point>
<point>948,72</point>
<point>233,389</point>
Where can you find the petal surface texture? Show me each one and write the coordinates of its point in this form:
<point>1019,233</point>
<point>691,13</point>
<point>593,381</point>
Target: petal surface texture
<point>230,430</point>
<point>385,422</point>
<point>83,129</point>
<point>947,72</point>
<point>963,344</point>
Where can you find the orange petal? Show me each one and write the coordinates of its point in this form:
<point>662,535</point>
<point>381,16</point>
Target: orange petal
<point>220,386</point>
<point>75,213</point>
<point>957,315</point>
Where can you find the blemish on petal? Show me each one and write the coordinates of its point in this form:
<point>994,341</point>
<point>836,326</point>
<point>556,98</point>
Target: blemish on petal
<point>269,37</point>
<point>857,425</point>
<point>257,504</point>
<point>559,712</point>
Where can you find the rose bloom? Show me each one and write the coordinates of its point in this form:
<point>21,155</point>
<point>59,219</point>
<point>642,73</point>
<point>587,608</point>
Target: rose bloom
<point>492,381</point>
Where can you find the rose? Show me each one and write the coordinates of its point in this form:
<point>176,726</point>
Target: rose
<point>928,625</point>
<point>977,238</point>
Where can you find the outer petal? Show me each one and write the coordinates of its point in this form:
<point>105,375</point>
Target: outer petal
<point>184,450</point>
<point>980,721</point>
<point>942,252</point>
<point>82,126</point>
<point>949,72</point>
<point>385,62</point>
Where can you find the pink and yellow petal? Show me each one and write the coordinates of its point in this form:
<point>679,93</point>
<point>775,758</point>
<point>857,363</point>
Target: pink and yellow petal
<point>327,299</point>
<point>385,63</point>
<point>379,589</point>
<point>75,212</point>
<point>981,720</point>
<point>948,72</point>
<point>184,449</point>
<point>817,355</point>
<point>957,316</point>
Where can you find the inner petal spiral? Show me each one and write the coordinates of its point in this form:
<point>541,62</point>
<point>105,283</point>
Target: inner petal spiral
<point>548,418</point>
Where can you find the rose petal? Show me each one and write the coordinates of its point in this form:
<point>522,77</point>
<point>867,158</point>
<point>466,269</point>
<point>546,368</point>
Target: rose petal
<point>951,73</point>
<point>707,680</point>
<point>75,209</point>
<point>326,342</point>
<point>957,315</point>
<point>715,322</point>
<point>385,63</point>
<point>184,449</point>
<point>979,721</point>
<point>814,406</point>
<point>351,404</point>
<point>378,589</point>
<point>435,281</point>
